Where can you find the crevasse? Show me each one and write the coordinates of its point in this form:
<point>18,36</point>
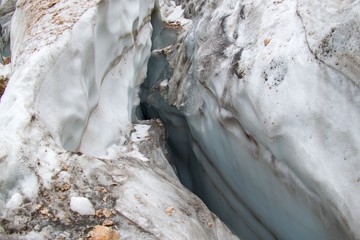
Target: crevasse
<point>244,148</point>
<point>259,175</point>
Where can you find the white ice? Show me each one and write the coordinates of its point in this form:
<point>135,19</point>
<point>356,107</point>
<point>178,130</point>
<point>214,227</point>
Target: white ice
<point>71,97</point>
<point>82,205</point>
<point>140,133</point>
<point>272,99</point>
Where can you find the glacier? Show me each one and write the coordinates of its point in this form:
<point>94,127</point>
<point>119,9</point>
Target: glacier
<point>258,102</point>
<point>263,96</point>
<point>74,159</point>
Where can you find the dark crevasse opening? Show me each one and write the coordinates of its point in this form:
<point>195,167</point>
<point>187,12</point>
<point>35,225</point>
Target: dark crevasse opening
<point>180,142</point>
<point>152,105</point>
<point>200,176</point>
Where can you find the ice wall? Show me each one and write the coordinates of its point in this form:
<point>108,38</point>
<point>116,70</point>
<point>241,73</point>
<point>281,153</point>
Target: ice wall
<point>271,102</point>
<point>88,96</point>
<point>76,67</point>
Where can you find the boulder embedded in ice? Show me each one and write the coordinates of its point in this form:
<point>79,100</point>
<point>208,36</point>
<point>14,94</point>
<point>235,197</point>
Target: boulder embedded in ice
<point>270,92</point>
<point>66,130</point>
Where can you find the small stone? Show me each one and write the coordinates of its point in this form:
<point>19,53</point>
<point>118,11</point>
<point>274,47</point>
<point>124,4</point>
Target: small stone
<point>64,167</point>
<point>99,213</point>
<point>105,198</point>
<point>266,41</point>
<point>107,213</point>
<point>38,207</point>
<point>65,187</point>
<point>173,25</point>
<point>108,223</point>
<point>7,60</point>
<point>101,189</point>
<point>44,211</point>
<point>103,233</point>
<point>170,211</point>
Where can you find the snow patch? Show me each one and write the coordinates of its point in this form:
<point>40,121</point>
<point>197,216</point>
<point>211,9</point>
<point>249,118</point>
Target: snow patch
<point>29,186</point>
<point>15,201</point>
<point>135,153</point>
<point>141,132</point>
<point>164,83</point>
<point>82,205</point>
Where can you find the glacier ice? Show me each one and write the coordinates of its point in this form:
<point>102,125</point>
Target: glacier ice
<point>259,100</point>
<point>95,59</point>
<point>267,92</point>
<point>67,134</point>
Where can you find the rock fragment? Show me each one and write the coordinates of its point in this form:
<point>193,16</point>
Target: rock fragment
<point>108,223</point>
<point>266,41</point>
<point>170,211</point>
<point>65,187</point>
<point>103,233</point>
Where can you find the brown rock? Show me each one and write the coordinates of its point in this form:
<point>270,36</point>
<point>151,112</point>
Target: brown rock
<point>99,213</point>
<point>65,187</point>
<point>108,223</point>
<point>44,211</point>
<point>266,42</point>
<point>173,25</point>
<point>101,189</point>
<point>64,167</point>
<point>7,60</point>
<point>103,233</point>
<point>170,211</point>
<point>107,213</point>
<point>3,84</point>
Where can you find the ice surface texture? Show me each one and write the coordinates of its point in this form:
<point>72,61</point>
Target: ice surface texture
<point>270,90</point>
<point>76,68</point>
<point>101,67</point>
